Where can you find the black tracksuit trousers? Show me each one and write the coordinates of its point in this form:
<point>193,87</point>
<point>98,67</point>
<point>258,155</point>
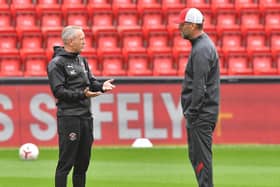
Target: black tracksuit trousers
<point>200,151</point>
<point>75,140</point>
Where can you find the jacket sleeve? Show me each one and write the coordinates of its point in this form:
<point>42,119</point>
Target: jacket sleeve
<point>201,68</point>
<point>57,80</point>
<point>95,85</point>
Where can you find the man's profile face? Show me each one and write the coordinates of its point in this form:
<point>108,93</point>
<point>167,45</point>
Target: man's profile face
<point>186,30</point>
<point>78,42</point>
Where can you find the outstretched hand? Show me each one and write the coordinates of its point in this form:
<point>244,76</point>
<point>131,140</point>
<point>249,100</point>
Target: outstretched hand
<point>107,85</point>
<point>89,93</point>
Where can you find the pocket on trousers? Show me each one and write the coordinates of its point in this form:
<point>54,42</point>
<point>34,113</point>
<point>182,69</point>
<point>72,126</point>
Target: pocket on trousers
<point>69,127</point>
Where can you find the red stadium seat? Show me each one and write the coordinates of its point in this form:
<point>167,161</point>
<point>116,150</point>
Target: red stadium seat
<point>112,62</point>
<point>127,17</point>
<point>172,8</point>
<point>152,17</point>
<point>22,4</point>
<point>238,64</point>
<point>181,59</point>
<point>52,37</point>
<point>173,3</point>
<point>209,21</point>
<point>6,17</point>
<point>132,38</point>
<point>138,63</point>
<point>31,39</point>
<point>246,4</point>
<point>4,4</point>
<point>251,19</point>
<point>200,4</point>
<point>10,64</point>
<point>222,4</point>
<point>47,3</point>
<point>89,39</point>
<point>72,2</point>
<point>123,3</point>
<point>76,15</point>
<point>107,39</point>
<point>227,19</point>
<point>162,62</point>
<point>35,63</point>
<point>268,4</point>
<point>50,16</point>
<point>275,41</point>
<point>25,17</point>
<point>257,40</point>
<point>98,2</point>
<point>157,38</point>
<point>149,4</point>
<point>263,64</point>
<point>272,18</point>
<point>8,39</point>
<point>231,41</point>
<point>101,17</point>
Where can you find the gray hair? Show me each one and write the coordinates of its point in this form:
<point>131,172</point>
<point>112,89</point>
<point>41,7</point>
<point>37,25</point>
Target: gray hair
<point>69,32</point>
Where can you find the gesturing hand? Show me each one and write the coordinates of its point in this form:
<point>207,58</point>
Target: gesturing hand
<point>107,85</point>
<point>89,93</point>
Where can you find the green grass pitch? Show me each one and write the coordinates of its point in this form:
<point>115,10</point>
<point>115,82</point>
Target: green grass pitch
<point>234,166</point>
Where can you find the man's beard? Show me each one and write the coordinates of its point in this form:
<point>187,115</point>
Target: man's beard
<point>185,36</point>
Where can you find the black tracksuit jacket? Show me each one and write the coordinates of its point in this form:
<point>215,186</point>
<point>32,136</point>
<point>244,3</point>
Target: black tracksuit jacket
<point>69,75</point>
<point>201,85</point>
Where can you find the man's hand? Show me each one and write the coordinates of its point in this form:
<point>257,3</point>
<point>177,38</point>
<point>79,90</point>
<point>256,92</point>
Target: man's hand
<point>91,94</point>
<point>107,85</point>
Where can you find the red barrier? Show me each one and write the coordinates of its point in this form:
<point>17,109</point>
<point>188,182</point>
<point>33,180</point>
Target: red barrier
<point>249,114</point>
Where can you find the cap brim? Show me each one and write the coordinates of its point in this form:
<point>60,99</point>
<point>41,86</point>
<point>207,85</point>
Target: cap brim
<point>178,20</point>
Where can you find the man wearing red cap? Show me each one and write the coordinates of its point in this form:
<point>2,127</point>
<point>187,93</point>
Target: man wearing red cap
<point>200,94</point>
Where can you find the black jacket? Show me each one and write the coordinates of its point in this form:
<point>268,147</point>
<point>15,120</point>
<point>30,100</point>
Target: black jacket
<point>201,85</point>
<point>69,75</point>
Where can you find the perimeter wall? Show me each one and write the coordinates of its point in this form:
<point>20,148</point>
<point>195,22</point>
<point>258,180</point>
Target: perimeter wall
<point>137,108</point>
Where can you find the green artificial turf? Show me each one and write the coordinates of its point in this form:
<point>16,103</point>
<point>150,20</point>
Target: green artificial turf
<point>234,166</point>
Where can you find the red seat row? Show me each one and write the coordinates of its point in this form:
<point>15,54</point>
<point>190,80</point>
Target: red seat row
<point>96,16</point>
<point>141,62</point>
<point>189,3</point>
<point>137,37</point>
<point>102,38</point>
<point>107,63</point>
<point>249,63</point>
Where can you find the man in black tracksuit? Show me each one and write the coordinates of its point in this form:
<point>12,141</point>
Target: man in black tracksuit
<point>200,94</point>
<point>73,85</point>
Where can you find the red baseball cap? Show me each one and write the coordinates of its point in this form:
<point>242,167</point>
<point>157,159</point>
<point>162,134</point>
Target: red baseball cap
<point>190,15</point>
